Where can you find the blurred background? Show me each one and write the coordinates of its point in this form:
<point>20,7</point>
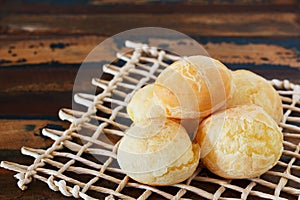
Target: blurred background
<point>43,43</point>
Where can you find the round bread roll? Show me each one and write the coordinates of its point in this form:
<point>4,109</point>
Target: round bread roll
<point>142,105</point>
<point>158,152</point>
<point>240,142</point>
<point>254,89</point>
<point>193,87</point>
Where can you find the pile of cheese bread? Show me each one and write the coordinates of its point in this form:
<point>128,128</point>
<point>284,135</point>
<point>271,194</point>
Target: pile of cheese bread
<point>199,110</point>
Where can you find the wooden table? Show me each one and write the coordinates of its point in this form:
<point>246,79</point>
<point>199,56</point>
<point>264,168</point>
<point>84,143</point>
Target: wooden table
<point>42,44</point>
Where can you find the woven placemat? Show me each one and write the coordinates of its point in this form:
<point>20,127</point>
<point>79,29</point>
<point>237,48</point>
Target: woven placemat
<point>69,167</point>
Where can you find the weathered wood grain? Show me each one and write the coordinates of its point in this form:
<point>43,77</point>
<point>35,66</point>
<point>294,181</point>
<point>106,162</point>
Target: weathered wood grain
<point>17,133</point>
<point>34,104</point>
<point>48,86</point>
<point>146,6</point>
<point>211,24</point>
<point>41,78</point>
<point>45,101</point>
<point>198,2</point>
<point>65,50</point>
<point>74,49</point>
<point>239,51</point>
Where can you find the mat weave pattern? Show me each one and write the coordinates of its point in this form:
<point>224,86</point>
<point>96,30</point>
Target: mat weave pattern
<point>67,167</point>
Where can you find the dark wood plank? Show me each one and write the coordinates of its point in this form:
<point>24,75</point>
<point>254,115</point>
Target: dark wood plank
<point>145,6</point>
<point>38,78</point>
<point>33,89</point>
<point>74,49</point>
<point>34,105</point>
<point>17,133</point>
<point>198,2</point>
<point>244,24</point>
<point>61,49</point>
<point>250,51</point>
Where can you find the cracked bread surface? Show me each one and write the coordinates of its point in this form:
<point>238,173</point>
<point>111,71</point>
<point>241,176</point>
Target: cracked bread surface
<point>142,105</point>
<point>251,88</point>
<point>193,87</point>
<point>158,152</point>
<point>240,142</point>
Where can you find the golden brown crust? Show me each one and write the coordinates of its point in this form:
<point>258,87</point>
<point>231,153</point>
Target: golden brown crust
<point>158,152</point>
<point>251,88</point>
<point>193,87</point>
<point>142,106</point>
<point>240,142</point>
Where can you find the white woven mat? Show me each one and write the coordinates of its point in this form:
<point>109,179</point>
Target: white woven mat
<point>67,167</point>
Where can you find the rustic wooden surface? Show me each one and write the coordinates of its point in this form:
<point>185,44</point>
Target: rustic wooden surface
<point>42,44</point>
